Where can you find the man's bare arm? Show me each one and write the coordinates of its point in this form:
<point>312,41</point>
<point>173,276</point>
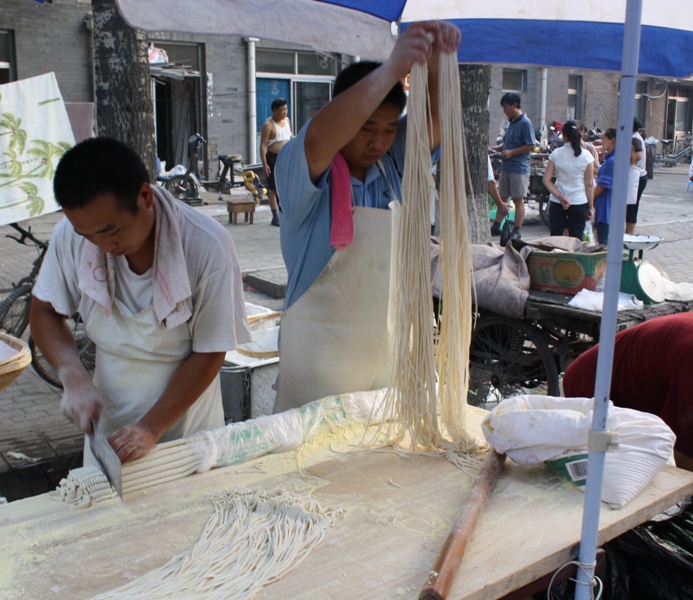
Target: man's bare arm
<point>81,401</point>
<point>189,381</point>
<point>338,122</point>
<point>265,132</point>
<point>526,149</point>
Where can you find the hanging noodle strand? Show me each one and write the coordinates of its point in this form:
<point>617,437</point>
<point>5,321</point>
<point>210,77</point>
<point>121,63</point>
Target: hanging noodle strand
<point>429,417</point>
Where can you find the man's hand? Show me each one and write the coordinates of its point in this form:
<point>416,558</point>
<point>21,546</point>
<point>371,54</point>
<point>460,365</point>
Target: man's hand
<point>506,154</point>
<point>81,403</point>
<point>132,441</point>
<point>419,41</point>
<point>267,170</point>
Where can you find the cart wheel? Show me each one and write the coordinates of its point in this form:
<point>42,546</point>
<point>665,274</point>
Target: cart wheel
<point>544,213</point>
<point>182,187</point>
<point>507,358</point>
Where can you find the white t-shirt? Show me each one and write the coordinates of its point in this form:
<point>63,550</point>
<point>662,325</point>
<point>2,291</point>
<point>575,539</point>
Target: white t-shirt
<point>490,176</point>
<point>570,173</point>
<point>642,162</point>
<point>218,322</point>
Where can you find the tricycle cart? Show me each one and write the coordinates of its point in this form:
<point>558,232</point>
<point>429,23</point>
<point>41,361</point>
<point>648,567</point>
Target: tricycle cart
<point>525,356</point>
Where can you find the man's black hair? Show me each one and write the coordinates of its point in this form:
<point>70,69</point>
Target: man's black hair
<point>511,98</point>
<point>97,166</point>
<point>278,103</point>
<point>355,72</point>
<point>636,125</point>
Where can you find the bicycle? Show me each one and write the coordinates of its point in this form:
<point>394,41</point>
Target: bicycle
<point>185,187</point>
<point>676,151</point>
<point>14,315</point>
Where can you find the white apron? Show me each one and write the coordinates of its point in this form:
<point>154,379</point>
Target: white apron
<point>135,360</point>
<point>334,338</point>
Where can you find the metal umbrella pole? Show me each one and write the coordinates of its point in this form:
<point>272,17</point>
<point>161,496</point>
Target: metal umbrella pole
<point>599,438</point>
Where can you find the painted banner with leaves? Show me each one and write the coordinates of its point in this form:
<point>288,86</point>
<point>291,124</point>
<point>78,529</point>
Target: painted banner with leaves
<point>35,132</point>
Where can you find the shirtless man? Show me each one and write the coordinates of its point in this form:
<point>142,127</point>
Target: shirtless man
<point>275,133</point>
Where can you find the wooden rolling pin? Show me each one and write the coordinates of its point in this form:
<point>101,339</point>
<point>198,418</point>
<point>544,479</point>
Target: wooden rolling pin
<point>440,578</point>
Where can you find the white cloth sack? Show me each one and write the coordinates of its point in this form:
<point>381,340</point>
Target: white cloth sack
<point>533,429</point>
<point>589,300</point>
<point>681,292</point>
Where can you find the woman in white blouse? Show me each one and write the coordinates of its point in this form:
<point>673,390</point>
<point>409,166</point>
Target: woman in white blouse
<point>572,193</point>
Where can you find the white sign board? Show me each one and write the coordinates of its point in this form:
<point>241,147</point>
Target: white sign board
<point>35,132</point>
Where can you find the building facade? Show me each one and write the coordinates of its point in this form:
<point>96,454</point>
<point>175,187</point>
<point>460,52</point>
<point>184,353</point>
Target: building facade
<point>663,107</point>
<point>229,82</point>
<point>224,93</point>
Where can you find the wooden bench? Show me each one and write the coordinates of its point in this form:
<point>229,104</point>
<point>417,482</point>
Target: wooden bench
<point>241,205</point>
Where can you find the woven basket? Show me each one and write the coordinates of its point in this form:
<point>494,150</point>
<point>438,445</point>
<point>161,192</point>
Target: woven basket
<point>260,323</point>
<point>12,368</point>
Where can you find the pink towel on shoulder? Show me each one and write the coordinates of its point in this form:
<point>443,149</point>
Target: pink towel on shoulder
<point>342,227</point>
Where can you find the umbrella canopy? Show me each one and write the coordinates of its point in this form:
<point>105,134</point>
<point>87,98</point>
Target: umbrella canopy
<point>553,33</point>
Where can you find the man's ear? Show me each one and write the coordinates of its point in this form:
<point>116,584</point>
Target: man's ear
<point>146,195</point>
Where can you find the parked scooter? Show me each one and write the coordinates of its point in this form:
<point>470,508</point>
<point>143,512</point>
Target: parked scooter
<point>186,187</point>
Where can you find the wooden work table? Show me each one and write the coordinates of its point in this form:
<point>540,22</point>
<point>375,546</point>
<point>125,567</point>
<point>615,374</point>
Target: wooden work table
<point>398,512</point>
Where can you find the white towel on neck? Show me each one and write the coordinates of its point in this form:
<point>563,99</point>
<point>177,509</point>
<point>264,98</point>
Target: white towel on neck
<point>96,271</point>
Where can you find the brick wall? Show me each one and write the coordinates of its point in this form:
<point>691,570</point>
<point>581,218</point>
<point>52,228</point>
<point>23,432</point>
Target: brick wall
<point>51,37</point>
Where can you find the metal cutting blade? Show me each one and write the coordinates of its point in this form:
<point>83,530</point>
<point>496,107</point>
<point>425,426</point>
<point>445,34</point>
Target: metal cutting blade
<point>107,459</point>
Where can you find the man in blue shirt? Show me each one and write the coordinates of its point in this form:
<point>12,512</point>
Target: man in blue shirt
<point>334,336</point>
<point>518,144</point>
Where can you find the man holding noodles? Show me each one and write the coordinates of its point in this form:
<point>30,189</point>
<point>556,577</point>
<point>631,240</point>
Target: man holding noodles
<point>335,178</point>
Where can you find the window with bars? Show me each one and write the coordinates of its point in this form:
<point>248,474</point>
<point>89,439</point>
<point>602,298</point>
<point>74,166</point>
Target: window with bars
<point>8,69</point>
<point>574,110</point>
<point>514,80</point>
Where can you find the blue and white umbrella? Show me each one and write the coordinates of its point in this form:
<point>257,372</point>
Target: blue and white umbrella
<point>551,33</point>
<point>652,37</point>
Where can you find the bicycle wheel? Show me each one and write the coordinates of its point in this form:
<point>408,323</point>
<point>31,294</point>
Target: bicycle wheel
<point>85,348</point>
<point>509,357</point>
<point>14,311</point>
<point>182,187</point>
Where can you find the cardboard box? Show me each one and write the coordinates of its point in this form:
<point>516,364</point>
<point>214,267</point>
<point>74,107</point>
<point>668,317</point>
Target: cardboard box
<point>565,272</point>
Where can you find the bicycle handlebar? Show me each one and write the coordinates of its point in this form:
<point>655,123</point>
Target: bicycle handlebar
<point>24,235</point>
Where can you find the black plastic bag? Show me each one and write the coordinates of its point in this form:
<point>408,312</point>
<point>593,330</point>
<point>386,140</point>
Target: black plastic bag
<point>506,230</point>
<point>656,570</point>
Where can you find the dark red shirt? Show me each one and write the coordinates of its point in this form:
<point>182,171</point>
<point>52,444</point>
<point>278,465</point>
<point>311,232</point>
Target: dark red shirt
<point>652,372</point>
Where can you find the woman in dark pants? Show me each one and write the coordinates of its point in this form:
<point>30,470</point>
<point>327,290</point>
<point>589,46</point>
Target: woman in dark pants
<point>640,162</point>
<point>571,199</point>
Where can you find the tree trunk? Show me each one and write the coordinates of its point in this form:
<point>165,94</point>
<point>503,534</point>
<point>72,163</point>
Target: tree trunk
<point>124,105</point>
<point>476,86</point>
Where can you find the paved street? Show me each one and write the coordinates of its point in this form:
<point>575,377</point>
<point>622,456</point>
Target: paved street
<point>30,418</point>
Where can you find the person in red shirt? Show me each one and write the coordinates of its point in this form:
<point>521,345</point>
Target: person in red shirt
<point>652,372</point>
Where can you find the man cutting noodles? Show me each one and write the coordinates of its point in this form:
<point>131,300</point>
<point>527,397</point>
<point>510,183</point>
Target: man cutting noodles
<point>334,179</point>
<point>158,286</point>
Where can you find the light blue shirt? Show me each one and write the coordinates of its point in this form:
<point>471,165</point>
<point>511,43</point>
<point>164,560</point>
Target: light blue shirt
<point>306,208</point>
<point>518,132</point>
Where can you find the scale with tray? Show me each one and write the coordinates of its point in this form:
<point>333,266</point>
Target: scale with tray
<point>638,276</point>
